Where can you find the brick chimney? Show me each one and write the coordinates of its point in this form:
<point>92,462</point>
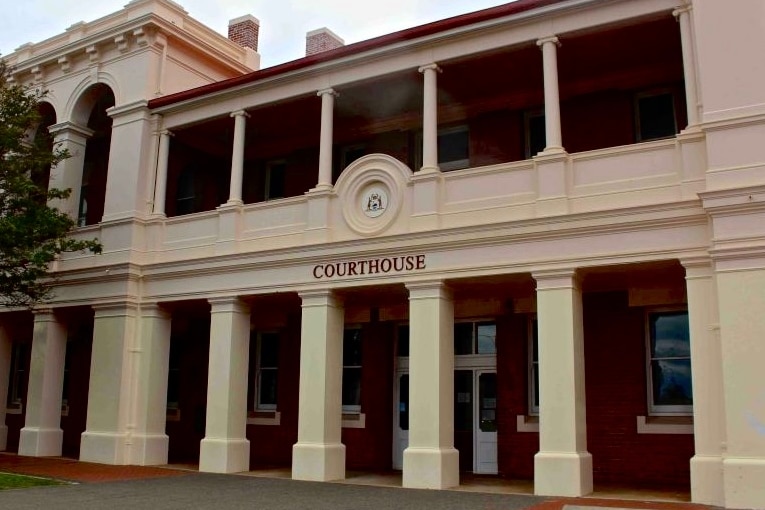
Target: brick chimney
<point>322,39</point>
<point>244,31</point>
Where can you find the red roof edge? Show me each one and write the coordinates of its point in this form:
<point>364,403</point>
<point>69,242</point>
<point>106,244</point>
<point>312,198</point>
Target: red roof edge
<point>369,44</point>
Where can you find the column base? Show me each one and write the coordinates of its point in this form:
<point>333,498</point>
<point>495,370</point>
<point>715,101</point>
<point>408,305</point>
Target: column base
<point>707,480</point>
<point>743,480</point>
<point>431,468</point>
<point>103,448</point>
<point>37,442</point>
<point>562,474</point>
<point>3,437</point>
<point>318,462</point>
<point>149,450</point>
<point>224,455</point>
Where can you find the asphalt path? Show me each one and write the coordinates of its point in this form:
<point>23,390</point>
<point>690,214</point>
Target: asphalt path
<point>219,492</point>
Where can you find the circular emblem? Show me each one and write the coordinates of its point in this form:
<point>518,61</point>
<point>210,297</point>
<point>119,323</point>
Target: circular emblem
<point>374,201</point>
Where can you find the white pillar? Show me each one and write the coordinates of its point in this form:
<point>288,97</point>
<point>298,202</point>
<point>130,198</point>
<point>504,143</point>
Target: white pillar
<point>5,372</point>
<point>225,448</point>
<point>160,188</point>
<point>683,16</point>
<point>430,118</point>
<point>706,366</point>
<point>563,467</point>
<point>42,434</point>
<point>68,173</point>
<point>237,158</point>
<point>553,137</point>
<point>326,138</point>
<point>319,454</point>
<point>108,427</point>
<point>149,444</point>
<point>430,460</point>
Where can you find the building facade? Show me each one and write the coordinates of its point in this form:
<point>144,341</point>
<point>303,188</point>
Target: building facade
<point>527,241</point>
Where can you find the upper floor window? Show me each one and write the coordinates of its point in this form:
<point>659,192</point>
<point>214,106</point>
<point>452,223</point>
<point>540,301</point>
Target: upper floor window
<point>352,350</point>
<point>535,139</point>
<point>475,338</point>
<point>655,116</point>
<point>453,149</point>
<point>186,197</point>
<point>669,363</point>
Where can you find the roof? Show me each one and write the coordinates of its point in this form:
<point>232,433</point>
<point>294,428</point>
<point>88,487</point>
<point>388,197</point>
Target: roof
<point>370,44</point>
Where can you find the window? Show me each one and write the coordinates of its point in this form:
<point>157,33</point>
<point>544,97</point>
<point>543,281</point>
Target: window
<point>352,370</point>
<point>533,331</point>
<point>274,185</point>
<point>453,149</point>
<point>186,196</point>
<point>67,377</point>
<point>475,338</point>
<point>669,363</point>
<point>266,372</point>
<point>403,341</point>
<point>535,137</point>
<point>18,377</point>
<point>655,116</point>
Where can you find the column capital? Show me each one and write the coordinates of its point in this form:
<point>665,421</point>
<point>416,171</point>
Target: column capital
<point>698,267</point>
<point>320,297</point>
<point>557,279</point>
<point>228,304</point>
<point>428,67</point>
<point>45,314</point>
<point>679,11</point>
<point>66,129</point>
<point>165,132</point>
<point>240,113</point>
<point>429,290</point>
<point>155,310</point>
<point>328,91</point>
<point>549,39</point>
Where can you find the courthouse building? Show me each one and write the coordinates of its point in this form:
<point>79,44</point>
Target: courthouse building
<point>526,241</point>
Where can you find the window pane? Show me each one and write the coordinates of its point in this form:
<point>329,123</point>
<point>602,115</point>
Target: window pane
<point>656,116</point>
<point>352,347</point>
<point>268,387</point>
<point>403,402</point>
<point>463,338</point>
<point>487,334</point>
<point>672,382</point>
<point>403,340</point>
<point>670,337</point>
<point>351,387</point>
<point>269,350</point>
<point>453,146</point>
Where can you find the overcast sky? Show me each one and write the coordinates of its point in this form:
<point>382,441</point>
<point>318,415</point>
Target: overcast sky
<point>283,23</point>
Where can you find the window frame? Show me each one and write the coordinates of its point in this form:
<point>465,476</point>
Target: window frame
<point>16,377</point>
<point>649,94</point>
<point>475,323</point>
<point>256,404</point>
<point>660,409</point>
<point>353,408</point>
<point>532,332</point>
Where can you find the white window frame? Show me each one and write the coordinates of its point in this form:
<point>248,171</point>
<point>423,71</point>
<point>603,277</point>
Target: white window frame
<point>658,409</point>
<point>648,94</point>
<point>354,409</point>
<point>257,404</point>
<point>533,410</point>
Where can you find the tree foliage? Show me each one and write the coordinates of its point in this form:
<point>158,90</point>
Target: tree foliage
<point>32,233</point>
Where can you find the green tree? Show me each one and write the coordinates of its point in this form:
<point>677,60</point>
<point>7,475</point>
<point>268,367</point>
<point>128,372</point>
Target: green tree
<point>32,233</point>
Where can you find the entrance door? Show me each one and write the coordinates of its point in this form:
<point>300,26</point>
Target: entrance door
<point>486,422</point>
<point>401,432</point>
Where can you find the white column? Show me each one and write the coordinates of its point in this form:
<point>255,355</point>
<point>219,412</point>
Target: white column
<point>149,444</point>
<point>683,16</point>
<point>430,460</point>
<point>108,427</point>
<point>42,434</point>
<point>160,188</point>
<point>237,158</point>
<point>430,118</point>
<point>326,138</point>
<point>553,137</point>
<point>319,454</point>
<point>68,173</point>
<point>563,467</point>
<point>225,448</point>
<point>706,366</point>
<point>5,372</point>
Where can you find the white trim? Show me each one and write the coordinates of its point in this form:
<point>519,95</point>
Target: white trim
<point>525,423</point>
<point>274,418</point>
<point>354,420</point>
<point>664,425</point>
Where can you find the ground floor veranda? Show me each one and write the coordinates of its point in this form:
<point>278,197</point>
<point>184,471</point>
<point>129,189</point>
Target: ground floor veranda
<point>544,379</point>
